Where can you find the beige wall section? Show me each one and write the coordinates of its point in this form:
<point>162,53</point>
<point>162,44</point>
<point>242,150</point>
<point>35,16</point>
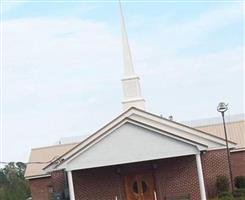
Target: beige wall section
<point>235,131</point>
<point>44,154</point>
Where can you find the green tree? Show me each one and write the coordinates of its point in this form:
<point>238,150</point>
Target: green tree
<point>13,185</point>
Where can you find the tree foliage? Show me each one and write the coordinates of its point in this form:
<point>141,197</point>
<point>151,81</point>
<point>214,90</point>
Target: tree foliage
<point>13,185</point>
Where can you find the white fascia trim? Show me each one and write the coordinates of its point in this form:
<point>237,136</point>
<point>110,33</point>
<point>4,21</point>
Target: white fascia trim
<point>136,161</point>
<point>37,176</point>
<point>219,148</point>
<point>200,147</point>
<point>238,150</point>
<point>176,125</point>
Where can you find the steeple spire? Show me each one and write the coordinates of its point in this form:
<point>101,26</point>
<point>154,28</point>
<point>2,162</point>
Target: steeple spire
<point>130,81</point>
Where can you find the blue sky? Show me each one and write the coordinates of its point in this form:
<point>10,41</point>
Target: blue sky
<point>63,64</point>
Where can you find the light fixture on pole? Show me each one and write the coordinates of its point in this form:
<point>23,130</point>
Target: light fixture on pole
<point>222,108</point>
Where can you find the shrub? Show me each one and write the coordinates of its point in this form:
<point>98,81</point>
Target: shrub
<point>240,198</point>
<point>240,182</point>
<point>239,193</point>
<point>225,196</point>
<point>222,184</point>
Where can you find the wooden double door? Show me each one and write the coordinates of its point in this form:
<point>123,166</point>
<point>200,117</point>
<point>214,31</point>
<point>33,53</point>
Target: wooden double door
<point>140,187</point>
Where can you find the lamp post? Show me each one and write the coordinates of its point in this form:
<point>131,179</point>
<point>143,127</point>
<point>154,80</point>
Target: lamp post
<point>222,108</point>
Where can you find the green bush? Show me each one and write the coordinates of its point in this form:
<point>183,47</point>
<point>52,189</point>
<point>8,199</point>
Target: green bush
<point>226,196</point>
<point>239,193</point>
<point>240,182</point>
<point>240,198</point>
<point>222,184</point>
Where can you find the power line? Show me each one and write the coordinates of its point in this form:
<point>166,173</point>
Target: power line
<point>35,162</point>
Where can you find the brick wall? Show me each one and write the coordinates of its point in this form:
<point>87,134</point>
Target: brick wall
<point>238,163</point>
<point>40,186</point>
<point>98,184</point>
<point>214,164</point>
<point>173,177</point>
<point>176,176</point>
<point>58,181</point>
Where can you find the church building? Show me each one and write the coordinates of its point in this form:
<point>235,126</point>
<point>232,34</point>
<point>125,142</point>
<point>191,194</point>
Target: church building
<point>138,155</point>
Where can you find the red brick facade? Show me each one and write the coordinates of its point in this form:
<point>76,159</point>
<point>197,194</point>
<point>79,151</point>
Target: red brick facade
<point>39,188</point>
<point>177,177</point>
<point>238,163</point>
<point>58,181</point>
<point>173,177</point>
<point>42,188</point>
<point>101,183</point>
<point>214,164</point>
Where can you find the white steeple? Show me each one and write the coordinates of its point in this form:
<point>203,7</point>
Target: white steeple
<point>130,81</point>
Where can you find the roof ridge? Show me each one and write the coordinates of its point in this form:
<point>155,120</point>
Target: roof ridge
<point>215,120</point>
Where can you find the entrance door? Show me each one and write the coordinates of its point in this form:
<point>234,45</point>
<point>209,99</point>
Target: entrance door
<point>139,187</point>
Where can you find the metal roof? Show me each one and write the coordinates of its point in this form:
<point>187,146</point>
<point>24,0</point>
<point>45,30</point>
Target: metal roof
<point>40,157</point>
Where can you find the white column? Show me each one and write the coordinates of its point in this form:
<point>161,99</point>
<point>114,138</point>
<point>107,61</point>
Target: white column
<point>200,177</point>
<point>70,184</point>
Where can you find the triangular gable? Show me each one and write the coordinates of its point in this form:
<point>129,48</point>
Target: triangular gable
<point>130,143</point>
<point>150,121</point>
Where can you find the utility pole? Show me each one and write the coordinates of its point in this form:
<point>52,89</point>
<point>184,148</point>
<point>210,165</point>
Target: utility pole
<point>222,108</point>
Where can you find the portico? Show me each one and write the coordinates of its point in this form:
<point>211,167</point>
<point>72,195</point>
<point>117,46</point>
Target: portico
<point>138,138</point>
<point>149,180</point>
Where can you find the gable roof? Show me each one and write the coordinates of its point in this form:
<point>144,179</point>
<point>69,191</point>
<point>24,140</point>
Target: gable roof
<point>129,143</point>
<point>143,118</point>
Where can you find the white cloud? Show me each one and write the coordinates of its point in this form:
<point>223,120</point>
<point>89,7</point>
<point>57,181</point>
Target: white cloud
<point>190,33</point>
<point>211,20</point>
<point>9,5</point>
<point>54,74</point>
<point>62,76</point>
